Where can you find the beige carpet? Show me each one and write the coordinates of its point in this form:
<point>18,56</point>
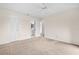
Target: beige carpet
<point>38,46</point>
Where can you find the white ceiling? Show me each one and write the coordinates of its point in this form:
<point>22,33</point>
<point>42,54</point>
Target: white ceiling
<point>37,9</point>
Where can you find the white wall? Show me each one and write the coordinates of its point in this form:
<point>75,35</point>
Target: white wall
<point>13,26</point>
<point>74,27</point>
<point>63,26</point>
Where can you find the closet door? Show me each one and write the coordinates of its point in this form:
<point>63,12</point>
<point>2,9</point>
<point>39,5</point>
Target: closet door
<point>13,28</point>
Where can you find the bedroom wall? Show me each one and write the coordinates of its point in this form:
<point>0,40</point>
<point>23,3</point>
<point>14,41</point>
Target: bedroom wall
<point>74,27</point>
<point>13,26</point>
<point>63,26</point>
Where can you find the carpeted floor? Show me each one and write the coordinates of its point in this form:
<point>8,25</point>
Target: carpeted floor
<point>38,46</point>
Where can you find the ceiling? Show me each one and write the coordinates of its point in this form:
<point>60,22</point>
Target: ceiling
<point>39,10</point>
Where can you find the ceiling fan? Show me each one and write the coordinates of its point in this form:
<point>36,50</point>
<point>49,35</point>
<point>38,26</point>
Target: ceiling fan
<point>44,6</point>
